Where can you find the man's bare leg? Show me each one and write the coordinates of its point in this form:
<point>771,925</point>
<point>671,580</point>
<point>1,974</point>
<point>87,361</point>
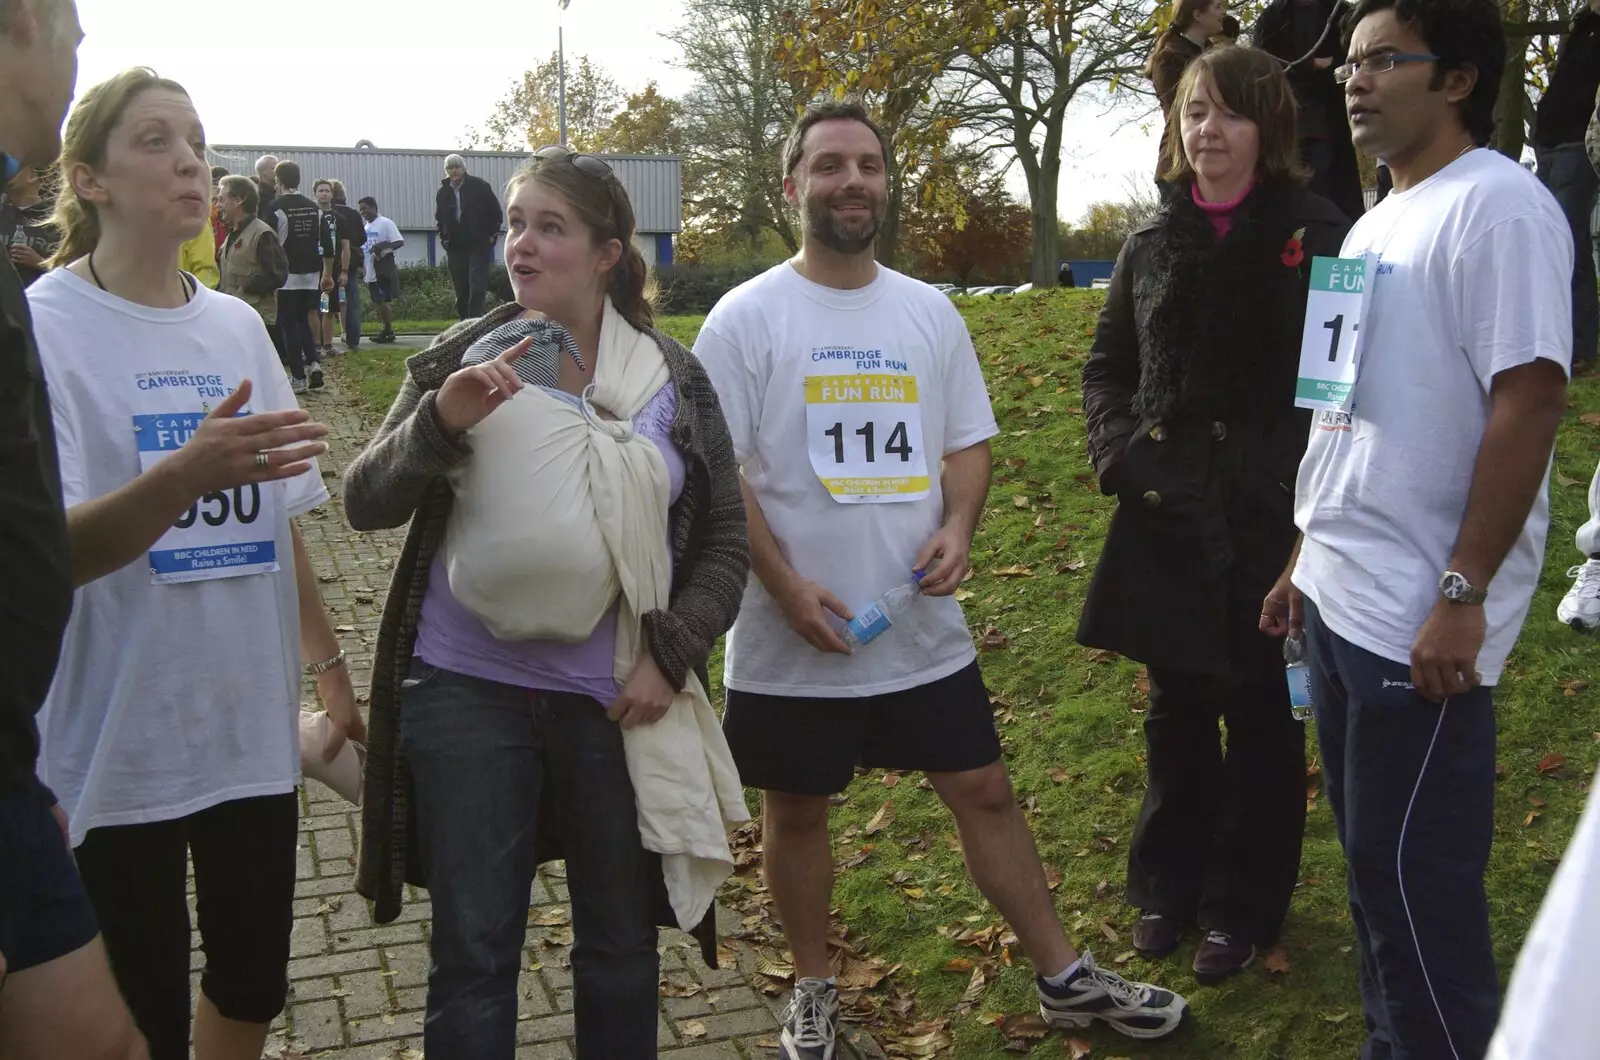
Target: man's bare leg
<point>1004,863</point>
<point>798,862</point>
<point>68,1007</point>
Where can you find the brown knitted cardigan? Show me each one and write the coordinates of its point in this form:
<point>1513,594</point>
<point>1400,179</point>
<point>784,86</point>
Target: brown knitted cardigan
<point>400,476</point>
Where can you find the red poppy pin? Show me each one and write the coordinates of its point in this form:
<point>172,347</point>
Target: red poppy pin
<point>1294,252</point>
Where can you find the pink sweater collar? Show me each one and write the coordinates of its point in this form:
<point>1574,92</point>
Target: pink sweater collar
<point>1224,208</point>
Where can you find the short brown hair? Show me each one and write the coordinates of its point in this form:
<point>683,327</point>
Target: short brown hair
<point>816,113</point>
<point>244,189</point>
<point>1252,84</point>
<point>287,174</point>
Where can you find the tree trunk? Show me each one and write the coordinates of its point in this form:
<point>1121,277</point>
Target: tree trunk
<point>1046,226</point>
<point>1510,110</point>
<point>889,234</point>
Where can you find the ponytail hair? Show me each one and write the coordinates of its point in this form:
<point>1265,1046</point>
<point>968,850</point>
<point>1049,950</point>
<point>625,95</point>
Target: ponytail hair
<point>633,289</point>
<point>595,194</point>
<point>87,137</point>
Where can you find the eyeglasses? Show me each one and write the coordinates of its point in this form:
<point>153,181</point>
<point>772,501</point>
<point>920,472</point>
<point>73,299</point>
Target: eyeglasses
<point>1381,63</point>
<point>593,165</point>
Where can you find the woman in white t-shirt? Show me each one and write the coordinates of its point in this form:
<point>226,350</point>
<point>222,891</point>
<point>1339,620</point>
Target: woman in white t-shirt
<point>171,730</point>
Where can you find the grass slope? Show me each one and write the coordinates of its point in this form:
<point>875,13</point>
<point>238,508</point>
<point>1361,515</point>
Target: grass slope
<point>1071,729</point>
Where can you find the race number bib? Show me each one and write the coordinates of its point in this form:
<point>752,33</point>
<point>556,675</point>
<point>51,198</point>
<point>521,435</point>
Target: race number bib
<point>223,535</point>
<point>864,433</point>
<point>1331,347</point>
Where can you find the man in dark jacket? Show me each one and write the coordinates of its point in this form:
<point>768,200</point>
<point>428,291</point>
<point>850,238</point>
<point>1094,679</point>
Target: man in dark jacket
<point>469,216</point>
<point>1558,131</point>
<point>1308,36</point>
<point>59,996</point>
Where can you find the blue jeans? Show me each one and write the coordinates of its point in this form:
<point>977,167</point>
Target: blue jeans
<point>1566,171</point>
<point>482,756</point>
<point>1411,785</point>
<point>352,309</point>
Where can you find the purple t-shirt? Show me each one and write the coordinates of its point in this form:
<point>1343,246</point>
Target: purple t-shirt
<point>452,638</point>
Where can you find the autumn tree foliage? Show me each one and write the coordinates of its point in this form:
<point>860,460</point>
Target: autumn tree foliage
<point>984,233</point>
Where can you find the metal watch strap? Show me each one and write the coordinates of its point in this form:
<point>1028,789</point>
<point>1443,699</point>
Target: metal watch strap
<point>318,668</point>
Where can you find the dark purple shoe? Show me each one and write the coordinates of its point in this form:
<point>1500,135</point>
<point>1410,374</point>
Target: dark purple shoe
<point>1156,935</point>
<point>1221,956</point>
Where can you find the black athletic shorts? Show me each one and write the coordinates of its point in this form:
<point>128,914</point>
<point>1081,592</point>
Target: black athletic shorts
<point>808,745</point>
<point>44,909</point>
<point>387,285</point>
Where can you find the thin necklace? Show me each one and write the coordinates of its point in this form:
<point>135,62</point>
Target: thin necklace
<point>182,280</point>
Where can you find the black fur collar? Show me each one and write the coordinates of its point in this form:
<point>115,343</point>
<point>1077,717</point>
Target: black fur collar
<point>1223,315</point>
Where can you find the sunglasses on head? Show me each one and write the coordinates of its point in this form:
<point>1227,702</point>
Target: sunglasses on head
<point>593,165</point>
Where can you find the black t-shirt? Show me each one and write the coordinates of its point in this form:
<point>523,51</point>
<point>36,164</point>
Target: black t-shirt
<point>35,557</point>
<point>353,228</point>
<point>307,236</point>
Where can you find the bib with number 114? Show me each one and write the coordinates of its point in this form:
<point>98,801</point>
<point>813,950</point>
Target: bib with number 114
<point>864,429</point>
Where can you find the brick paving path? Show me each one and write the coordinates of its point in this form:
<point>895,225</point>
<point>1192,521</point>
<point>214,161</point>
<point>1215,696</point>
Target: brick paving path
<point>357,989</point>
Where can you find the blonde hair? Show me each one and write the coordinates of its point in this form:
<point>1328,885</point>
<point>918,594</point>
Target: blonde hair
<point>87,137</point>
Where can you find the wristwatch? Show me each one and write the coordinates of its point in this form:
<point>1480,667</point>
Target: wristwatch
<point>1455,588</point>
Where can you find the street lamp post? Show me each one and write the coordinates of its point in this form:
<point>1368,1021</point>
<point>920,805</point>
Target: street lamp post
<point>561,71</point>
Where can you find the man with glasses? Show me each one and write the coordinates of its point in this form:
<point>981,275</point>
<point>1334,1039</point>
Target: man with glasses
<point>1558,132</point>
<point>1423,507</point>
<point>469,218</point>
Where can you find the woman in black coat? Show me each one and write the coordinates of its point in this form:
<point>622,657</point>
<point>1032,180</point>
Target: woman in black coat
<point>1189,394</point>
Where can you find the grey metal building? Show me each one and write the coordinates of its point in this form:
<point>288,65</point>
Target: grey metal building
<point>405,182</point>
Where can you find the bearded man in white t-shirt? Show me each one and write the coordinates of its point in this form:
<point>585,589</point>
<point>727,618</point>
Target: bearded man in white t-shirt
<point>1424,510</point>
<point>861,423</point>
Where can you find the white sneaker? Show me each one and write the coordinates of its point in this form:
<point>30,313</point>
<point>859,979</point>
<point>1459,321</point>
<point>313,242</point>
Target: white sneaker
<point>297,386</point>
<point>1137,1010</point>
<point>1580,608</point>
<point>811,1022</point>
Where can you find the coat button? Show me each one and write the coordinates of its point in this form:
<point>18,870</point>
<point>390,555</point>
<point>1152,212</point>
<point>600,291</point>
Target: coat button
<point>1158,433</point>
<point>1219,431</point>
<point>1152,499</point>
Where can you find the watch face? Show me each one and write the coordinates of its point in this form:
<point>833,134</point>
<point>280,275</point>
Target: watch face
<point>1452,586</point>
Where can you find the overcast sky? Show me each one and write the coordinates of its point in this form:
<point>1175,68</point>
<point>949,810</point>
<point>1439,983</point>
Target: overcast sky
<point>420,87</point>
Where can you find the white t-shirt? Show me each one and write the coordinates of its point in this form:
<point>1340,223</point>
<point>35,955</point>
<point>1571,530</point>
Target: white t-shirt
<point>1550,1012</point>
<point>759,345</point>
<point>379,230</point>
<point>1474,279</point>
<point>169,698</point>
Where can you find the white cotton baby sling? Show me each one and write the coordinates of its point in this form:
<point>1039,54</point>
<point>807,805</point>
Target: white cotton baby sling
<point>561,511</point>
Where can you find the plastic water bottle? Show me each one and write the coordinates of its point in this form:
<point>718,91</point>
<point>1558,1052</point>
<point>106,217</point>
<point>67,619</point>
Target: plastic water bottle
<point>1299,674</point>
<point>873,620</point>
<point>324,302</point>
